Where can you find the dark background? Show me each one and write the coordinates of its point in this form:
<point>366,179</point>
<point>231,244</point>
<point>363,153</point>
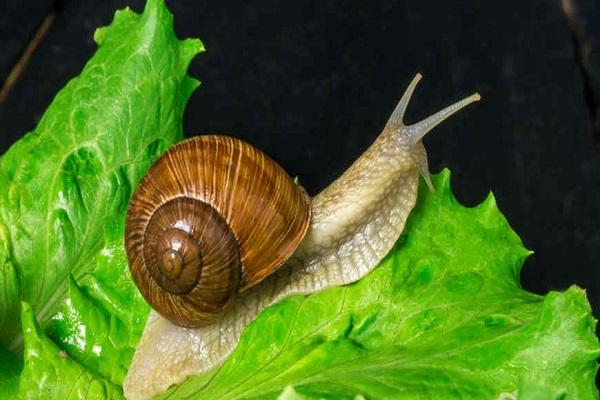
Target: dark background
<point>313,82</point>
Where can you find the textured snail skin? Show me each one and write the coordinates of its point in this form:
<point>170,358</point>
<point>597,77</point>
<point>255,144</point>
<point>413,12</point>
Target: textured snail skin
<point>355,223</point>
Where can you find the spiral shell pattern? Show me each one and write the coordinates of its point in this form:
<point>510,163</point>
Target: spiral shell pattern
<point>212,217</point>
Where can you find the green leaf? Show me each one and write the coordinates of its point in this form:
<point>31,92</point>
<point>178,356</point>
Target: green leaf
<point>49,373</point>
<point>443,316</point>
<point>10,367</point>
<point>10,291</point>
<point>290,394</point>
<point>534,391</point>
<point>102,318</point>
<point>64,182</point>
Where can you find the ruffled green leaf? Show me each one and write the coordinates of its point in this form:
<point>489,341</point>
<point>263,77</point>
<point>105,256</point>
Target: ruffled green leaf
<point>102,318</point>
<point>62,183</point>
<point>49,372</point>
<point>10,367</point>
<point>65,187</point>
<point>444,316</point>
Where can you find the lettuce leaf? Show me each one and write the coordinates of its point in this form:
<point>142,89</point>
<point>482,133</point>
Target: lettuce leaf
<point>61,183</point>
<point>443,316</point>
<point>102,318</point>
<point>10,366</point>
<point>65,187</point>
<point>64,190</point>
<point>49,373</point>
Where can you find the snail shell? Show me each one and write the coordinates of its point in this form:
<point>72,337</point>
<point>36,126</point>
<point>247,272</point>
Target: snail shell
<point>213,216</point>
<point>355,223</point>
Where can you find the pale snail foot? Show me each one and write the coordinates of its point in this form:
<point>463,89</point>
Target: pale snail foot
<point>355,223</point>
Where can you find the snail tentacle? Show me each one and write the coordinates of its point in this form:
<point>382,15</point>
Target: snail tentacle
<point>417,131</point>
<point>355,222</point>
<point>398,114</point>
<point>413,134</point>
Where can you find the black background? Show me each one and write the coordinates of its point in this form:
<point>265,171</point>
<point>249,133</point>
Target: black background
<point>313,82</point>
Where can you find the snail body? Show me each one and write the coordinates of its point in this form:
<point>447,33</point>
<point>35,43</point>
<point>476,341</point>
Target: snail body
<point>354,223</point>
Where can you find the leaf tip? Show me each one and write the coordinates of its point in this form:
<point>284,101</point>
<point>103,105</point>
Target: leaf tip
<point>444,177</point>
<point>157,10</point>
<point>189,49</point>
<point>99,35</point>
<point>490,200</point>
<point>192,46</point>
<point>121,16</point>
<point>442,185</point>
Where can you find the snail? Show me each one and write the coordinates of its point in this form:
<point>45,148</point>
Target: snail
<point>353,224</point>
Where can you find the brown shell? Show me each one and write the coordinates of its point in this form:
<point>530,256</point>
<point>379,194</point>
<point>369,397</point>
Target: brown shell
<point>212,217</point>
